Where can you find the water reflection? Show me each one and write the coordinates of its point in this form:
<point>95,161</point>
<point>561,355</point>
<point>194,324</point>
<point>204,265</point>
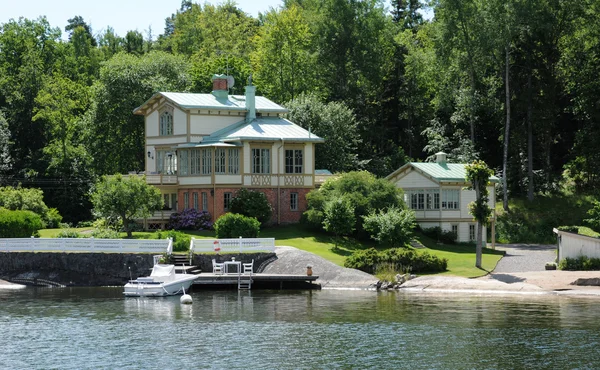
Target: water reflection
<point>98,327</point>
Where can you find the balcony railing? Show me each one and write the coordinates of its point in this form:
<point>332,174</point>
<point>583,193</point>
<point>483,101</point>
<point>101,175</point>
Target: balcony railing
<point>154,178</point>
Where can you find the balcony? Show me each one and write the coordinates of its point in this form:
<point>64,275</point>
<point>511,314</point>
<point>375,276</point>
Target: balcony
<point>154,178</point>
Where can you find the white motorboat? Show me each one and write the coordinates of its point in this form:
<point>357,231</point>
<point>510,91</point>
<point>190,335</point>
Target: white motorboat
<point>162,281</point>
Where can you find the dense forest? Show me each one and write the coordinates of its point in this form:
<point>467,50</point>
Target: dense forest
<point>512,82</point>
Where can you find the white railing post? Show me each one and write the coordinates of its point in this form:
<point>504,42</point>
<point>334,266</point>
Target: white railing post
<point>33,242</point>
<point>240,244</point>
<point>92,243</point>
<point>63,244</point>
<point>170,246</point>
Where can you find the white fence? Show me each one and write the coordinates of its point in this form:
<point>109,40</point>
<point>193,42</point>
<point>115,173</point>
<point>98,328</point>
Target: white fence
<point>86,245</point>
<point>239,245</point>
<point>575,245</point>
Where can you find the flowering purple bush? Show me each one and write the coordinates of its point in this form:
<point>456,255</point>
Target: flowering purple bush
<point>190,219</point>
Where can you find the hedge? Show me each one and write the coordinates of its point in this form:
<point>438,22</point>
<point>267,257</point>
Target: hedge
<point>19,224</point>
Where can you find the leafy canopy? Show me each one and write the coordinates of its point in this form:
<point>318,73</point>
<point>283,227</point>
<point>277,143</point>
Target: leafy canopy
<point>126,198</point>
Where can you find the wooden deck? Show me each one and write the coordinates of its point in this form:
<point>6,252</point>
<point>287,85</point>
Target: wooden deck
<point>259,281</point>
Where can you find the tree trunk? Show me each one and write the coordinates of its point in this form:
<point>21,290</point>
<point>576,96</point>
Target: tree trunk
<point>478,249</point>
<point>529,139</point>
<point>506,130</point>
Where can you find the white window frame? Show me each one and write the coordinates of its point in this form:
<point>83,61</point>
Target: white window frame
<point>186,200</point>
<point>261,160</point>
<point>451,199</point>
<point>227,201</point>
<point>220,161</point>
<point>204,201</point>
<point>195,196</point>
<point>184,163</point>
<point>233,161</point>
<point>454,229</point>
<point>294,161</point>
<point>472,233</point>
<point>206,157</point>
<point>166,122</point>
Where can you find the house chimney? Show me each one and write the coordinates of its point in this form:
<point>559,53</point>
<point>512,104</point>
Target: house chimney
<point>250,100</point>
<point>440,157</point>
<point>220,90</point>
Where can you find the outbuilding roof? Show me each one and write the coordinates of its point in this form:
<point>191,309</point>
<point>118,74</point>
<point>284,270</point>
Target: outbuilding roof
<point>209,101</point>
<point>441,172</point>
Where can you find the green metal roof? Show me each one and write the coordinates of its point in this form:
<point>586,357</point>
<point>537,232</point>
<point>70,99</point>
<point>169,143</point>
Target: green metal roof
<point>455,172</point>
<point>266,129</point>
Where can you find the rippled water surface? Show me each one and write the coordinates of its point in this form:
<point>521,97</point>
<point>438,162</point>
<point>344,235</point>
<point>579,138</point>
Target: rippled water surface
<point>77,328</point>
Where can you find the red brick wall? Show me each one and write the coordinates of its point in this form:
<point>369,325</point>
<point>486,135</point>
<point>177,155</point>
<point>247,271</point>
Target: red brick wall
<point>287,216</point>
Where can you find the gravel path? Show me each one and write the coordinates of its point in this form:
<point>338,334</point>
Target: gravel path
<point>524,257</point>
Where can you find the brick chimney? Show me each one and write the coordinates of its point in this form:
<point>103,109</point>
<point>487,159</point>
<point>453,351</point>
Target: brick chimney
<point>220,90</point>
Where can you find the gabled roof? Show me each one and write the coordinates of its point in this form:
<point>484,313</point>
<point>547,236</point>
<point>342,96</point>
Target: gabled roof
<point>440,172</point>
<point>264,129</point>
<point>209,101</point>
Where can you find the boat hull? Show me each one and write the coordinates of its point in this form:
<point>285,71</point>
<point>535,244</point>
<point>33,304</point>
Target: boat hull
<point>158,289</point>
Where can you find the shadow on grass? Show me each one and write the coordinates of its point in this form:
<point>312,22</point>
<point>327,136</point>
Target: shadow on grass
<point>454,248</point>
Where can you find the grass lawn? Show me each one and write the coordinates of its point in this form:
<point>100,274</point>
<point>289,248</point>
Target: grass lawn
<point>53,233</point>
<point>461,258</point>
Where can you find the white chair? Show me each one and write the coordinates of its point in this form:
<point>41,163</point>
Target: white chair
<point>248,268</point>
<point>218,268</point>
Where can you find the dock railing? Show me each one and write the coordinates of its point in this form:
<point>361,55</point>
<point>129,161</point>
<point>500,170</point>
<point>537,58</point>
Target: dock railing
<point>237,245</point>
<point>90,245</point>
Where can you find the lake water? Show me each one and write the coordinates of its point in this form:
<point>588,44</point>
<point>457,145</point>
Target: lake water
<point>80,328</point>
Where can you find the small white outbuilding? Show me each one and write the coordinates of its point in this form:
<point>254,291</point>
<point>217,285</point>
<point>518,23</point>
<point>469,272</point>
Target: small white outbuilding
<point>437,194</point>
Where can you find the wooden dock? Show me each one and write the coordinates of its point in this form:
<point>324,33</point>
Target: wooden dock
<point>260,281</point>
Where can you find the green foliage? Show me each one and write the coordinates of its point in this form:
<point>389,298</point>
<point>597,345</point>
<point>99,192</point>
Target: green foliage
<point>5,159</point>
<point>444,236</point>
<point>392,227</point>
<point>18,224</point>
<point>252,204</point>
<point>66,233</point>
<point>582,263</point>
<point>364,192</point>
<point>181,241</point>
<point>368,260</point>
<point>29,200</point>
<point>532,222</point>
<point>105,234</point>
<point>339,217</point>
<point>126,198</point>
<point>594,213</point>
<point>334,122</point>
<point>234,225</point>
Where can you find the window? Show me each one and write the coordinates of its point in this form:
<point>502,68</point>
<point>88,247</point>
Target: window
<point>220,161</point>
<point>174,202</point>
<point>195,162</point>
<point>293,201</point>
<point>186,200</point>
<point>454,229</point>
<point>166,123</point>
<point>432,197</point>
<point>204,201</point>
<point>166,162</point>
<point>415,199</point>
<point>261,161</point>
<point>234,161</point>
<point>450,198</point>
<point>206,161</point>
<point>471,232</point>
<point>183,163</point>
<point>226,201</point>
<point>196,201</point>
<point>293,161</point>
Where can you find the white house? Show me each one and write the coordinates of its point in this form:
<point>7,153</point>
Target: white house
<point>437,194</point>
<point>202,148</point>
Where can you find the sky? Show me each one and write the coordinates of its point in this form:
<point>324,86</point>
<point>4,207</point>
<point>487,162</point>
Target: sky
<point>121,15</point>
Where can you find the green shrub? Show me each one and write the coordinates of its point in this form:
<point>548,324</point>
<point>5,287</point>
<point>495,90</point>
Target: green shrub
<point>53,218</point>
<point>233,225</point>
<point>365,260</point>
<point>66,233</point>
<point>313,218</point>
<point>392,227</point>
<point>339,217</point>
<point>582,263</point>
<point>444,236</point>
<point>405,259</point>
<point>105,234</point>
<point>252,204</point>
<point>181,241</point>
<point>19,224</point>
